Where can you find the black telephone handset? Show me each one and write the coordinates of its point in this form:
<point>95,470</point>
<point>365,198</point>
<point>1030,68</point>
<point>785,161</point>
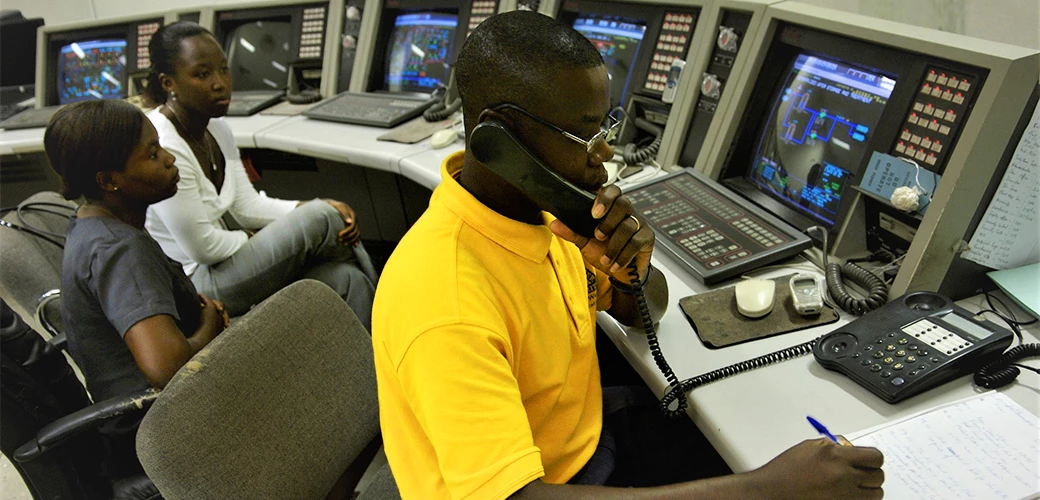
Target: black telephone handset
<point>497,148</point>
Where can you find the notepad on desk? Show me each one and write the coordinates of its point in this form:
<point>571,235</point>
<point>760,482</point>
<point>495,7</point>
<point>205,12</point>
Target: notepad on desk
<point>986,446</point>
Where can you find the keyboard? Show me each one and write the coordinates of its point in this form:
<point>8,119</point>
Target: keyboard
<point>713,232</point>
<point>377,110</point>
<point>30,118</point>
<point>250,102</point>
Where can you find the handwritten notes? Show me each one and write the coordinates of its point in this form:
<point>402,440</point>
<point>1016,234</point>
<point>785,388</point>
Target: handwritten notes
<point>1009,234</point>
<point>982,447</point>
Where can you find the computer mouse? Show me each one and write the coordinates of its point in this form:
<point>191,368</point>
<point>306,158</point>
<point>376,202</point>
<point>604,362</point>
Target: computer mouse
<point>755,297</point>
<point>443,138</point>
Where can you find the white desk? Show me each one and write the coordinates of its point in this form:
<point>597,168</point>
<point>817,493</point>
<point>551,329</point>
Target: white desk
<point>752,417</point>
<point>344,143</point>
<point>244,128</point>
<point>423,164</point>
<point>26,140</point>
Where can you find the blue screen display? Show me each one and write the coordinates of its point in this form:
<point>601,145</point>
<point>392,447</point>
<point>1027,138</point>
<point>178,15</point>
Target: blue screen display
<point>618,42</point>
<point>92,70</point>
<point>419,51</point>
<point>817,134</point>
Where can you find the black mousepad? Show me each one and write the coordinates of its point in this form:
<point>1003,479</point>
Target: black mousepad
<point>715,318</point>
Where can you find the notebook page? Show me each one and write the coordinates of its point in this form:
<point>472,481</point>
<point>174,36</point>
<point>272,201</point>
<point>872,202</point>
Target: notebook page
<point>986,446</point>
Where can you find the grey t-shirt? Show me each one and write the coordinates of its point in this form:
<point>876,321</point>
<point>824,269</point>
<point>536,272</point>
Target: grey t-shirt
<point>113,276</point>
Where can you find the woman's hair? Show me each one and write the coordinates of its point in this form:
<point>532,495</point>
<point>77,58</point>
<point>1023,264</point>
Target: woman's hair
<point>163,50</point>
<point>90,137</point>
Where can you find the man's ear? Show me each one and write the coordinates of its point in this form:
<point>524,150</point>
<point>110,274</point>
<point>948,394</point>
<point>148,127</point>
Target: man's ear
<point>490,114</point>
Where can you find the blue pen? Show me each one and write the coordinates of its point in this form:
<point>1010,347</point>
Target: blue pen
<point>821,429</point>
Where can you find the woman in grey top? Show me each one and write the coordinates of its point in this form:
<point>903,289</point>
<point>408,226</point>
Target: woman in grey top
<point>132,317</point>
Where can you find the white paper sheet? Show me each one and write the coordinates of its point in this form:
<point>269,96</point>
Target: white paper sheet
<point>984,447</point>
<point>1009,234</point>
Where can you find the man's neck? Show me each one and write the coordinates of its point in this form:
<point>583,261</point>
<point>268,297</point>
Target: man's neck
<point>495,193</point>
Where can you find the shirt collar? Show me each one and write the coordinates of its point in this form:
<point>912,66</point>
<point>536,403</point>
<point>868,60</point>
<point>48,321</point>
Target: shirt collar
<point>526,240</point>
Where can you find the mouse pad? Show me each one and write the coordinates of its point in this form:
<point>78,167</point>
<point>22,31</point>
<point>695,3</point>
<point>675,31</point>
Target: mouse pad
<point>715,318</point>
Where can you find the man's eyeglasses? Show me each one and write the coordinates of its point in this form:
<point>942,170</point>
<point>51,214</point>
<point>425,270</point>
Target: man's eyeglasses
<point>608,129</point>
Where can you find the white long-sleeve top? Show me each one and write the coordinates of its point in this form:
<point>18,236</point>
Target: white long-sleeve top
<point>188,226</point>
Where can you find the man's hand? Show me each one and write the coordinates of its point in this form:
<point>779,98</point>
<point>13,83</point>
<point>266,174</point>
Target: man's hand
<point>621,238</point>
<point>351,234</point>
<point>820,469</point>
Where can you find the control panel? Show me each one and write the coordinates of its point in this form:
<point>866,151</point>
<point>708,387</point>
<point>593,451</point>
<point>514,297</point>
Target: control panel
<point>942,103</point>
<point>730,31</point>
<point>711,230</point>
<point>481,10</point>
<point>144,32</point>
<point>312,32</point>
<point>672,42</point>
<point>348,42</point>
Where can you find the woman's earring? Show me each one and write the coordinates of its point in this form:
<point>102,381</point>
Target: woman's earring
<point>173,96</point>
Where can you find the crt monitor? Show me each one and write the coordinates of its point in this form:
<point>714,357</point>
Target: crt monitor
<point>419,52</point>
<point>268,46</point>
<point>93,69</point>
<point>86,61</point>
<point>618,41</point>
<point>816,134</point>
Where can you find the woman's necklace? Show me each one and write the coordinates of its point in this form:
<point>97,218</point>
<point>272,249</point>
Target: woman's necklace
<point>209,147</point>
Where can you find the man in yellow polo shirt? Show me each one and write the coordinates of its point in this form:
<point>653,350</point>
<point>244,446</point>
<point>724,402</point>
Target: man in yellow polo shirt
<point>484,319</point>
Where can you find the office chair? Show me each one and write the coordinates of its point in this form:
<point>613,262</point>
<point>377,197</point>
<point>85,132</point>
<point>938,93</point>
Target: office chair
<point>32,246</point>
<point>48,426</point>
<point>280,405</point>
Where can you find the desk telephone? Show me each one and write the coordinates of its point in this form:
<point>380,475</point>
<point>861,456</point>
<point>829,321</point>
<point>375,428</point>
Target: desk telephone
<point>914,343</point>
<point>930,339</point>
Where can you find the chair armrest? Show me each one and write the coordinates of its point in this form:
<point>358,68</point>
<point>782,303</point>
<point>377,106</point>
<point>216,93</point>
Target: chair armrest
<point>71,425</point>
<point>41,314</point>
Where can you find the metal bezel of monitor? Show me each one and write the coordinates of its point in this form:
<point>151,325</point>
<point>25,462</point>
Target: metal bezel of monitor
<point>698,61</point>
<point>46,74</point>
<point>1011,77</point>
<point>333,14</point>
<point>654,18</point>
<point>369,60</point>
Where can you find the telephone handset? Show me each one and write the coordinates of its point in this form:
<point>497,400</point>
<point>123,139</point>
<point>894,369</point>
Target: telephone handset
<point>496,147</point>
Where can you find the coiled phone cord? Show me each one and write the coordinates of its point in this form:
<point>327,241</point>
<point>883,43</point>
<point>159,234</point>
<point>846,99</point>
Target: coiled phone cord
<point>634,155</point>
<point>1003,371</point>
<point>877,290</point>
<point>677,390</point>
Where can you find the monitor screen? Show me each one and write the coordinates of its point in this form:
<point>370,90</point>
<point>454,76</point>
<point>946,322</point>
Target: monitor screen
<point>419,51</point>
<point>259,54</point>
<point>618,42</point>
<point>816,136</point>
<point>94,69</point>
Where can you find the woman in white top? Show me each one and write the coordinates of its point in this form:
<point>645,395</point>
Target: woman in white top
<point>314,239</point>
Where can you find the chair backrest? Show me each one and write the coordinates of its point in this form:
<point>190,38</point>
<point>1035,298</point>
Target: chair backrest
<point>277,406</point>
<point>32,264</point>
<point>37,386</point>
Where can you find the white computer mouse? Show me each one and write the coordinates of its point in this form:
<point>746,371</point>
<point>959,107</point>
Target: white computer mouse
<point>443,138</point>
<point>755,297</point>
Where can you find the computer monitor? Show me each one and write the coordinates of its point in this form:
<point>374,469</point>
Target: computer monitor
<point>419,51</point>
<point>618,41</point>
<point>834,103</point>
<point>93,60</point>
<point>410,46</point>
<point>816,134</point>
<point>94,69</point>
<point>273,47</point>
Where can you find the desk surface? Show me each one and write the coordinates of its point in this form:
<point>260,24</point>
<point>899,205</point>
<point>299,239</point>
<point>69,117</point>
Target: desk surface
<point>26,140</point>
<point>752,417</point>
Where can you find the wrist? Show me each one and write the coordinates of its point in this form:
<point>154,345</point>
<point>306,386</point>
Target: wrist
<point>629,285</point>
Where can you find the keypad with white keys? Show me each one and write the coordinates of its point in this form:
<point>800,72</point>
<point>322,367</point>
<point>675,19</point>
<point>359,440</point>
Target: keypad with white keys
<point>936,337</point>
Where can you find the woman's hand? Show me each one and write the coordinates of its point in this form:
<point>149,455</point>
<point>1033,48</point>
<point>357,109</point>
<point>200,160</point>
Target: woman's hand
<point>351,234</point>
<point>213,314</point>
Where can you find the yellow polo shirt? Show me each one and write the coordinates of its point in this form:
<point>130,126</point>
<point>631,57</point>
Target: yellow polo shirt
<point>484,336</point>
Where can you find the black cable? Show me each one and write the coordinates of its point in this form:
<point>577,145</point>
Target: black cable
<point>53,238</point>
<point>633,154</point>
<point>442,109</point>
<point>1011,316</point>
<point>1003,371</point>
<point>677,390</point>
<point>877,290</point>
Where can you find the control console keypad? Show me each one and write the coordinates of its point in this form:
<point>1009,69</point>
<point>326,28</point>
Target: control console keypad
<point>939,108</point>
